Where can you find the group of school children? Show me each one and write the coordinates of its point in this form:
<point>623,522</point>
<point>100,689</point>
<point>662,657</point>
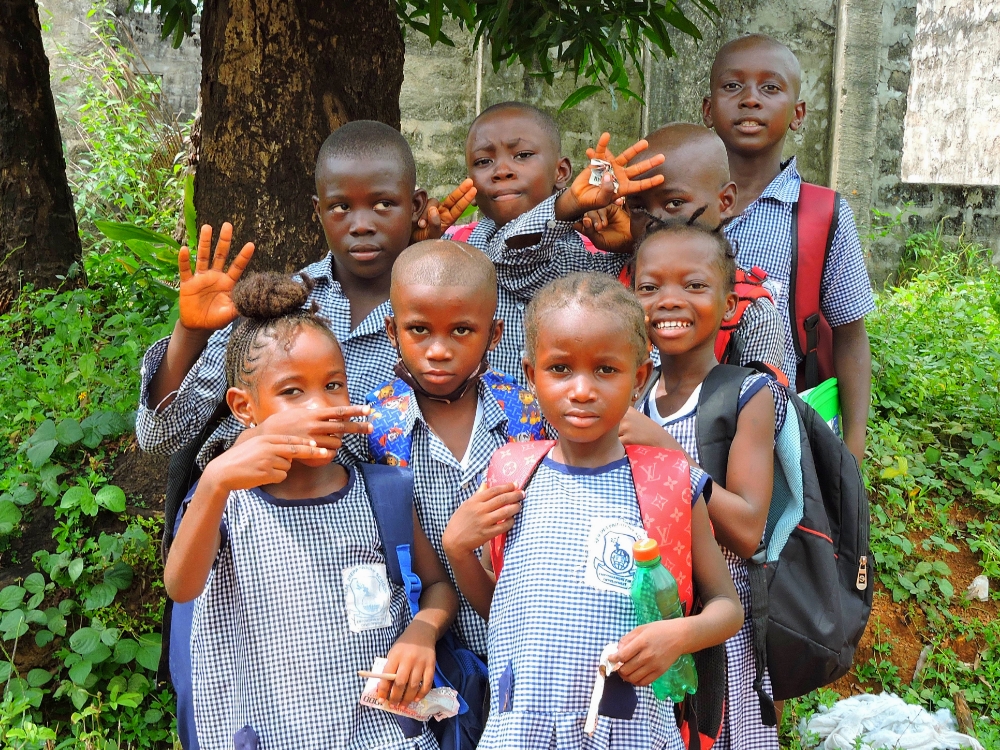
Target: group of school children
<point>577,321</point>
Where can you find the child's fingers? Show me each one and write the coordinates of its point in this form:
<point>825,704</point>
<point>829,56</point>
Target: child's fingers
<point>457,195</point>
<point>340,413</point>
<point>413,685</point>
<point>204,249</point>
<point>637,186</point>
<point>427,682</point>
<point>602,147</point>
<point>404,674</point>
<point>632,151</point>
<point>463,203</point>
<point>240,262</point>
<point>184,263</point>
<point>644,166</point>
<point>222,246</point>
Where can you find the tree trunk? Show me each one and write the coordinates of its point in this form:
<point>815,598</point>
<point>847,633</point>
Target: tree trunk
<point>278,76</point>
<point>38,234</point>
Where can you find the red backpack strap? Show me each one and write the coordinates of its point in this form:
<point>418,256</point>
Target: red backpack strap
<point>814,221</point>
<point>460,233</point>
<point>749,288</point>
<point>513,463</point>
<point>663,488</point>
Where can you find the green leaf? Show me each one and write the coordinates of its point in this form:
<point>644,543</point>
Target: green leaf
<point>43,638</point>
<point>22,494</point>
<point>110,636</point>
<point>112,498</point>
<point>116,230</point>
<point>39,453</point>
<point>100,596</point>
<point>119,575</point>
<point>38,677</point>
<point>148,655</point>
<point>79,697</point>
<point>56,621</point>
<point>84,641</point>
<point>46,431</point>
<point>99,655</point>
<point>13,624</point>
<point>581,94</point>
<point>190,217</point>
<point>34,616</point>
<point>75,568</point>
<point>946,588</point>
<point>125,651</point>
<point>71,498</point>
<point>152,716</point>
<point>6,669</point>
<point>10,517</point>
<point>69,432</point>
<point>11,597</point>
<point>34,583</point>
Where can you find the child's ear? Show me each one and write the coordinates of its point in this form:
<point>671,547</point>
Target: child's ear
<point>727,200</point>
<point>529,372</point>
<point>241,405</point>
<point>390,331</point>
<point>497,334</point>
<point>642,376</point>
<point>732,300</point>
<point>706,111</point>
<point>564,171</point>
<point>799,115</point>
<point>419,203</point>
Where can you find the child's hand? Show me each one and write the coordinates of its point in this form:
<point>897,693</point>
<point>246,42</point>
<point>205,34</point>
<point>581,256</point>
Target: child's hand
<point>323,427</point>
<point>487,513</point>
<point>582,197</point>
<point>412,660</point>
<point>261,460</point>
<point>437,218</point>
<point>638,429</point>
<point>206,302</point>
<point>649,651</point>
<point>609,228</point>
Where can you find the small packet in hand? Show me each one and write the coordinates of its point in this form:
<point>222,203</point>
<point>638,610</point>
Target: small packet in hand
<point>600,167</point>
<point>439,703</point>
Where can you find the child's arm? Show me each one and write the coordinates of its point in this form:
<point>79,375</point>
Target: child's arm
<point>262,460</point>
<point>609,228</point>
<point>650,650</point>
<point>412,658</point>
<point>852,363</point>
<point>490,511</point>
<point>638,429</point>
<point>436,218</point>
<point>739,510</point>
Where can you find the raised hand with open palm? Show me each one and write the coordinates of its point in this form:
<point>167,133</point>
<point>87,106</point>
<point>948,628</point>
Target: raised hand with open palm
<point>206,302</point>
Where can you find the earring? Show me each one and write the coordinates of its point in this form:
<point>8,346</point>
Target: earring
<point>252,425</point>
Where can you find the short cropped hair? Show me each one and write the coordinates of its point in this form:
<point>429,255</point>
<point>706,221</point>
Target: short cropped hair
<point>542,119</point>
<point>368,139</point>
<point>724,257</point>
<point>595,291</point>
<point>445,263</point>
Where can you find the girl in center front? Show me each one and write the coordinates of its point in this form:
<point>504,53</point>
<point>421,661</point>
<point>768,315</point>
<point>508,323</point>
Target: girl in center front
<point>564,590</point>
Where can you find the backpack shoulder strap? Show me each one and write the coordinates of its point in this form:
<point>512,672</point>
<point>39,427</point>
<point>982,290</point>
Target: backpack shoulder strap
<point>749,288</point>
<point>524,418</point>
<point>390,491</point>
<point>718,412</point>
<point>388,442</point>
<point>815,216</point>
<point>663,488</point>
<point>514,463</point>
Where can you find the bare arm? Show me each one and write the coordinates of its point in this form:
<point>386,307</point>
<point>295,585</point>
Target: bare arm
<point>852,363</point>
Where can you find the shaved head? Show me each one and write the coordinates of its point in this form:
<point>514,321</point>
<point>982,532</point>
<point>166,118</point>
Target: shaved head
<point>695,146</point>
<point>788,64</point>
<point>444,263</point>
<point>543,120</point>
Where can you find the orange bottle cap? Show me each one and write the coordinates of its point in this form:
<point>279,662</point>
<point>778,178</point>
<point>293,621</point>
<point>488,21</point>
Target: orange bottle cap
<point>645,550</point>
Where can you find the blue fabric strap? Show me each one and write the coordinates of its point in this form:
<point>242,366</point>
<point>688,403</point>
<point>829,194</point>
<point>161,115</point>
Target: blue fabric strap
<point>390,491</point>
<point>411,581</point>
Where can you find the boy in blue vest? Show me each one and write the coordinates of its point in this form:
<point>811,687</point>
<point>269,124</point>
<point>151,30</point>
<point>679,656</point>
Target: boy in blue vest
<point>446,411</point>
<point>754,102</point>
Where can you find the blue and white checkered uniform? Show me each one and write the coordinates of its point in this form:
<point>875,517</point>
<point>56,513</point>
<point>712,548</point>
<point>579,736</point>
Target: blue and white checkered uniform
<point>442,482</point>
<point>272,644</point>
<point>743,729</point>
<point>557,251</point>
<point>367,353</point>
<point>550,626</point>
<point>762,236</point>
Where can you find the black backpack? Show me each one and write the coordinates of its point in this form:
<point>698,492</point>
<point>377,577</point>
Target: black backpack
<point>811,577</point>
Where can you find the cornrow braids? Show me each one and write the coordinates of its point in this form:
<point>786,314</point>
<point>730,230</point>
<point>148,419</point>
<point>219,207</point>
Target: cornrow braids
<point>272,309</point>
<point>725,255</point>
<point>595,291</point>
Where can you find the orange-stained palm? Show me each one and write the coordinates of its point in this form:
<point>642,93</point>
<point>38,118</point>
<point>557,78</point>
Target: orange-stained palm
<point>206,301</point>
<point>438,217</point>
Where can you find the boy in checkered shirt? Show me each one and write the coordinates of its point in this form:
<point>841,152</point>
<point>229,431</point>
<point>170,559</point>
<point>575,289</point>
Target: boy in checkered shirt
<point>754,102</point>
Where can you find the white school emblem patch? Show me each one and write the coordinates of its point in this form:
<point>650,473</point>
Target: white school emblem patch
<point>610,566</point>
<point>367,597</point>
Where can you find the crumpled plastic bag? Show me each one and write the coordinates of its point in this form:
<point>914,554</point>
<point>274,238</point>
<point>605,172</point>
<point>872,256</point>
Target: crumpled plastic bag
<point>882,721</point>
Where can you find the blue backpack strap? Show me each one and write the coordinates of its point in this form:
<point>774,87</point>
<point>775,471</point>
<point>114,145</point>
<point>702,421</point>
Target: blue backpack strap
<point>389,443</point>
<point>524,417</point>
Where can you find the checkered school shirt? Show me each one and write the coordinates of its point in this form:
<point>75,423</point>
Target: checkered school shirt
<point>557,252</point>
<point>367,352</point>
<point>441,483</point>
<point>762,236</point>
<point>272,646</point>
<point>550,626</point>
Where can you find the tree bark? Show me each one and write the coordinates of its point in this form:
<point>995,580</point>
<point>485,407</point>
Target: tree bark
<point>278,76</point>
<point>38,233</point>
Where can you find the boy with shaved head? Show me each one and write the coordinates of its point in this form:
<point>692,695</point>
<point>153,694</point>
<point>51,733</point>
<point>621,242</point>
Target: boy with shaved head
<point>754,102</point>
<point>446,411</point>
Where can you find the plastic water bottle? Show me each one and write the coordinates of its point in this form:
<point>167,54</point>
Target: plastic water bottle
<point>654,592</point>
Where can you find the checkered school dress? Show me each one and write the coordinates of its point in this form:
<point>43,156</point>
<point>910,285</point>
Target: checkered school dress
<point>554,252</point>
<point>367,353</point>
<point>743,729</point>
<point>272,644</point>
<point>550,626</point>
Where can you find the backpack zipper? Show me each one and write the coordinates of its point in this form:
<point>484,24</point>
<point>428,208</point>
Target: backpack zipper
<point>864,522</point>
<point>862,582</point>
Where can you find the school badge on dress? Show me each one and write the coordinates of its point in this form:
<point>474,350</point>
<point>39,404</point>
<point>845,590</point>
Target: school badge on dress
<point>610,566</point>
<point>367,597</point>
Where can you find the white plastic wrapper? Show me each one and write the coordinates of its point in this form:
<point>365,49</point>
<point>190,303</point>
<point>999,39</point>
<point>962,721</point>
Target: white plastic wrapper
<point>874,722</point>
<point>600,167</point>
<point>439,703</point>
<point>979,589</point>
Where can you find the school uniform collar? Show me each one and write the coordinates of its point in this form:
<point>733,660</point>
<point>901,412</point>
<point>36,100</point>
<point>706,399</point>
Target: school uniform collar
<point>784,187</point>
<point>321,272</point>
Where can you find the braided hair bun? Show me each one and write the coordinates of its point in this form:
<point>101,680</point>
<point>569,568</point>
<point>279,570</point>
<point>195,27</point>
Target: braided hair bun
<point>270,295</point>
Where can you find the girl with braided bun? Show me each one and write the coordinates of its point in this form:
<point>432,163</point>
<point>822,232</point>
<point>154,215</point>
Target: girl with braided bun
<point>281,548</point>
